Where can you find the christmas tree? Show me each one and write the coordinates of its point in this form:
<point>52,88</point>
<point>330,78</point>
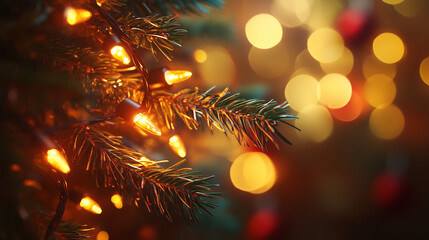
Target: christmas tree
<point>83,112</point>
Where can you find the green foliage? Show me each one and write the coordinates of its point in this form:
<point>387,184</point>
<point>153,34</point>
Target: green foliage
<point>245,119</point>
<point>172,7</point>
<point>170,191</point>
<point>158,34</point>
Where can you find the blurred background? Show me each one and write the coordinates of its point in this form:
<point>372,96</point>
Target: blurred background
<point>355,72</point>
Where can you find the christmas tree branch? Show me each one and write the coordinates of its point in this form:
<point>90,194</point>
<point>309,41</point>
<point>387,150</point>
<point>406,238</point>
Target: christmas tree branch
<point>245,119</point>
<point>156,33</point>
<point>172,7</point>
<point>170,191</point>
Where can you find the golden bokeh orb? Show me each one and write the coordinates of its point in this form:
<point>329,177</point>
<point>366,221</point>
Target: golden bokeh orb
<point>302,91</point>
<point>335,90</point>
<point>325,45</point>
<point>388,48</point>
<point>253,172</point>
<point>424,70</point>
<point>200,55</point>
<point>316,123</point>
<point>219,68</point>
<point>264,31</point>
<point>380,90</point>
<point>387,123</point>
<point>342,65</point>
<point>291,13</point>
<point>393,2</point>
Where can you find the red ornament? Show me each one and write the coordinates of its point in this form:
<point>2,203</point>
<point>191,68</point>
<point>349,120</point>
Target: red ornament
<point>262,225</point>
<point>352,24</point>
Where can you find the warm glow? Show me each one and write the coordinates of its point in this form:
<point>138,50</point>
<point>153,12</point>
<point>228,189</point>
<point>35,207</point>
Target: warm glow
<point>253,172</point>
<point>146,124</point>
<point>301,91</point>
<point>410,8</point>
<point>177,146</point>
<point>342,65</point>
<point>102,235</point>
<point>325,45</point>
<point>200,55</point>
<point>388,48</point>
<point>380,90</point>
<point>75,16</point>
<point>350,111</point>
<point>264,31</point>
<point>269,63</point>
<point>424,70</point>
<point>90,205</point>
<point>316,123</point>
<point>119,53</point>
<point>291,13</point>
<point>172,77</point>
<point>393,2</point>
<point>371,66</point>
<point>219,68</point>
<point>387,123</point>
<point>335,90</point>
<point>57,160</point>
<point>117,201</point>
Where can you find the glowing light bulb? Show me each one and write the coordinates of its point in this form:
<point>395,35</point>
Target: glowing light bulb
<point>172,77</point>
<point>117,201</point>
<point>75,16</point>
<point>119,53</point>
<point>177,146</point>
<point>146,124</point>
<point>57,160</point>
<point>90,205</point>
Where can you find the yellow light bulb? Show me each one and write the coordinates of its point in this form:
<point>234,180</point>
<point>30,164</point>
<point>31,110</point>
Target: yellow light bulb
<point>75,16</point>
<point>177,146</point>
<point>117,201</point>
<point>172,77</point>
<point>90,205</point>
<point>146,124</point>
<point>119,53</point>
<point>57,160</point>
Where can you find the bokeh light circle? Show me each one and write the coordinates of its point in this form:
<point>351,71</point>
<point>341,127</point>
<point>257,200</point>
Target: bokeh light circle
<point>387,123</point>
<point>218,69</point>
<point>269,63</point>
<point>325,45</point>
<point>302,91</point>
<point>253,172</point>
<point>342,65</point>
<point>316,123</point>
<point>264,31</point>
<point>388,48</point>
<point>335,90</point>
<point>380,90</point>
<point>393,2</point>
<point>351,110</point>
<point>424,70</point>
<point>291,13</point>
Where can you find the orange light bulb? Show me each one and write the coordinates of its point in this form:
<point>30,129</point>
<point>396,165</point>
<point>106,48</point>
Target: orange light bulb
<point>90,205</point>
<point>119,53</point>
<point>75,16</point>
<point>177,146</point>
<point>117,201</point>
<point>172,77</point>
<point>57,160</point>
<point>146,124</point>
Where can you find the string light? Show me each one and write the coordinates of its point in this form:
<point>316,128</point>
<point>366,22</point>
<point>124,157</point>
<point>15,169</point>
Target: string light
<point>119,53</point>
<point>172,77</point>
<point>76,16</point>
<point>117,201</point>
<point>177,146</point>
<point>132,111</point>
<point>145,123</point>
<point>90,205</point>
<point>57,160</point>
<point>162,78</point>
